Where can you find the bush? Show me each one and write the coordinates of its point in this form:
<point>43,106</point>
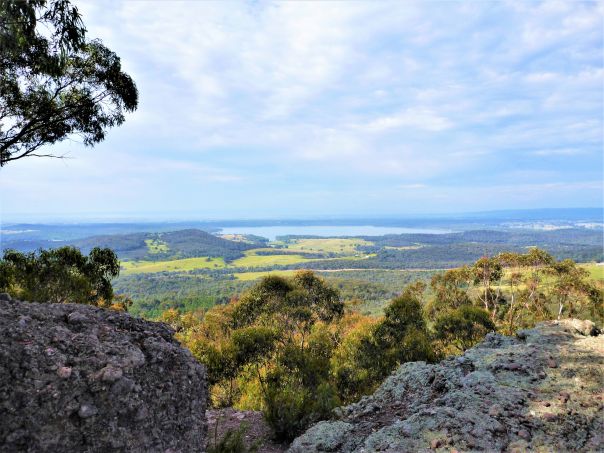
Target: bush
<point>290,407</point>
<point>233,442</point>
<point>463,327</point>
<point>62,275</point>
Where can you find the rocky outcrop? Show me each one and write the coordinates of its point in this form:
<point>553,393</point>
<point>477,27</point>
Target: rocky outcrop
<point>75,378</point>
<point>540,391</point>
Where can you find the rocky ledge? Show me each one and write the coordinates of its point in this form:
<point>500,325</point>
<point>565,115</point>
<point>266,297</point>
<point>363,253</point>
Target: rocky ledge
<point>540,391</point>
<point>75,378</point>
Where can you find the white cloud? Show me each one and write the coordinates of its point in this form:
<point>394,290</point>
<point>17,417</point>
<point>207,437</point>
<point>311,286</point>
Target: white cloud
<point>418,119</point>
<point>247,99</point>
<point>558,152</point>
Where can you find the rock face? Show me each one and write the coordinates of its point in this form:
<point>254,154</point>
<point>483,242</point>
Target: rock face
<point>75,378</point>
<point>541,391</point>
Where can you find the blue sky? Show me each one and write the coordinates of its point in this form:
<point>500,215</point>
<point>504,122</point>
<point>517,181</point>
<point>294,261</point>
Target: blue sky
<point>298,109</point>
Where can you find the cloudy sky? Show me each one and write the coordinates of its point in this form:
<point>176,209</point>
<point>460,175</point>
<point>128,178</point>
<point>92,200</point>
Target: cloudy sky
<point>298,109</point>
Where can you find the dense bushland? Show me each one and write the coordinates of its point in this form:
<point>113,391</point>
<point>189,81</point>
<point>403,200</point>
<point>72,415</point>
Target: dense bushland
<point>293,349</point>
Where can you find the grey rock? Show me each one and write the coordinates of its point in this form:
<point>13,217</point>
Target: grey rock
<point>582,326</point>
<point>76,378</point>
<point>494,398</point>
<point>326,437</point>
<point>87,410</point>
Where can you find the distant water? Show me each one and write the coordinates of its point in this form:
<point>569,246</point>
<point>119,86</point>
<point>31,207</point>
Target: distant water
<point>271,232</point>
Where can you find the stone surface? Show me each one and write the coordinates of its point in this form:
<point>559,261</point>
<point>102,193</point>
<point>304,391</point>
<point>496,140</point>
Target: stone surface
<point>501,396</point>
<point>75,378</point>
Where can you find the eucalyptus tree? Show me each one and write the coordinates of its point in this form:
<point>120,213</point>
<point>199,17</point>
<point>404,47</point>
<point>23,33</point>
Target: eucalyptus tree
<point>512,263</point>
<point>450,290</point>
<point>55,83</point>
<point>486,272</point>
<point>61,275</point>
<point>570,286</point>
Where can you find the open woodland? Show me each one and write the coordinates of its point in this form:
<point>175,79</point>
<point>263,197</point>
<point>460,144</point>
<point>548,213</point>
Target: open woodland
<point>192,270</point>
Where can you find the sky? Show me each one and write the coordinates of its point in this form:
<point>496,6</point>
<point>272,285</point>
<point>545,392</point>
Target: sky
<point>348,108</point>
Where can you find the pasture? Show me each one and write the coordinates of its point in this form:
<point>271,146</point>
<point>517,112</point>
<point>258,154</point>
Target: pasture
<point>249,276</point>
<point>340,246</point>
<point>252,259</point>
<point>182,265</point>
<point>155,246</point>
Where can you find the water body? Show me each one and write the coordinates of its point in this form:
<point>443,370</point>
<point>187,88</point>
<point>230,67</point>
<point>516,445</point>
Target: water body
<point>271,232</point>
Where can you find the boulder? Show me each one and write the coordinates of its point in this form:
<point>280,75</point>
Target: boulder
<point>76,378</point>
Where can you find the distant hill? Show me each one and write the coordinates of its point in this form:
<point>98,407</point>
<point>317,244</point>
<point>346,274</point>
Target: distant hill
<point>187,243</point>
<point>171,245</point>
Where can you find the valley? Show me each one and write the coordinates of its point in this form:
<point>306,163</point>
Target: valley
<point>198,265</point>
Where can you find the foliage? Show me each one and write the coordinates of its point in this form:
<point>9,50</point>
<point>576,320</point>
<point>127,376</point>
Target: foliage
<point>233,441</point>
<point>290,347</point>
<point>450,290</point>
<point>463,327</point>
<point>401,336</point>
<point>54,83</point>
<point>62,275</point>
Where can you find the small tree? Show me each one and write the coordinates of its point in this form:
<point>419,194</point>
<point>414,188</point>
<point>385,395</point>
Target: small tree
<point>450,290</point>
<point>512,262</point>
<point>570,285</point>
<point>487,271</point>
<point>401,336</point>
<point>275,336</point>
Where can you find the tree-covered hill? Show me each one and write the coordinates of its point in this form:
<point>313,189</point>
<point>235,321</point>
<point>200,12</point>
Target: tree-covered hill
<point>171,245</point>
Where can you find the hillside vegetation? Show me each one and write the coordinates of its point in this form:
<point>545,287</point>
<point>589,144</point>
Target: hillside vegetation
<point>291,347</point>
<point>371,269</point>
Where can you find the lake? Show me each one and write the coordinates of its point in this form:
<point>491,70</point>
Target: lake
<point>271,232</point>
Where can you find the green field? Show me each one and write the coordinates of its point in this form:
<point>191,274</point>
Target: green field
<point>596,271</point>
<point>155,246</point>
<point>183,265</point>
<point>249,276</point>
<point>251,259</point>
<point>332,245</point>
<point>404,247</point>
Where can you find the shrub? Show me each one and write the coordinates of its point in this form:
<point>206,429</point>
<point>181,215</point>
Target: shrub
<point>233,442</point>
<point>463,327</point>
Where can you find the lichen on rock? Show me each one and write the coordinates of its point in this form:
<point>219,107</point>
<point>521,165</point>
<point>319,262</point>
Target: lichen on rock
<point>504,395</point>
<point>80,378</point>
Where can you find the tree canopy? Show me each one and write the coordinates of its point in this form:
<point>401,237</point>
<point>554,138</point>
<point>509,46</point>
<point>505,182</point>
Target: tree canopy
<point>54,82</point>
<point>62,275</point>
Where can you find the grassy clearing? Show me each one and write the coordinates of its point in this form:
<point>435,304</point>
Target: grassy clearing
<point>155,246</point>
<point>249,276</point>
<point>183,265</point>
<point>251,259</point>
<point>404,247</point>
<point>331,245</point>
<point>596,271</point>
<point>236,238</point>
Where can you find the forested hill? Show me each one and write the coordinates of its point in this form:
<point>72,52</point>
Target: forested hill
<point>170,245</point>
<point>519,237</point>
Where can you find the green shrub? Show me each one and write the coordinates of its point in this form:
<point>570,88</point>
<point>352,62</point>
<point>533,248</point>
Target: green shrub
<point>289,408</point>
<point>233,442</point>
<point>463,327</point>
<point>62,275</point>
